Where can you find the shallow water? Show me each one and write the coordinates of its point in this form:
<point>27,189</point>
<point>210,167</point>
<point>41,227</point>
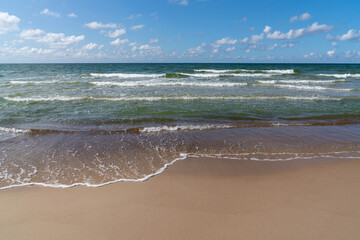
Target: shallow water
<point>72,124</point>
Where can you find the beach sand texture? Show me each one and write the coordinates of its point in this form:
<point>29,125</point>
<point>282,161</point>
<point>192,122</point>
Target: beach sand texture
<point>197,198</point>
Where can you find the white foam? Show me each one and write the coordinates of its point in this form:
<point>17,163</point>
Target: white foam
<point>300,81</point>
<point>182,128</point>
<point>276,71</point>
<point>13,130</point>
<point>180,98</point>
<point>216,75</point>
<point>158,84</point>
<point>311,88</point>
<point>286,71</point>
<point>345,75</point>
<point>125,75</point>
<point>34,82</point>
<point>43,99</point>
<point>182,156</point>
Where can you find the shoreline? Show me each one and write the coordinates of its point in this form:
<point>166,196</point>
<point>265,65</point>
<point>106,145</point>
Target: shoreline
<point>197,198</point>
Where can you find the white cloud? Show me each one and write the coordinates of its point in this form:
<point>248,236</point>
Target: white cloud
<point>59,40</point>
<point>32,34</point>
<point>179,2</point>
<point>287,45</point>
<point>133,16</point>
<point>331,53</point>
<point>225,41</point>
<point>196,51</point>
<point>72,15</point>
<point>352,54</point>
<point>8,22</point>
<point>334,43</point>
<point>253,39</point>
<point>55,40</point>
<point>154,40</point>
<point>117,33</point>
<point>92,46</point>
<point>28,51</point>
<point>351,35</point>
<point>230,49</point>
<point>272,47</point>
<point>302,17</point>
<point>118,42</point>
<point>49,13</point>
<point>97,25</point>
<point>311,55</point>
<point>298,33</point>
<point>252,29</point>
<point>137,27</point>
<point>267,29</point>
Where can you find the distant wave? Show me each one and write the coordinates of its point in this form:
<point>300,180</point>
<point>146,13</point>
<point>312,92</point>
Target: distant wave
<point>345,75</point>
<point>180,98</point>
<point>310,88</point>
<point>45,82</point>
<point>276,71</point>
<point>300,81</point>
<point>216,75</point>
<point>157,84</point>
<point>126,75</point>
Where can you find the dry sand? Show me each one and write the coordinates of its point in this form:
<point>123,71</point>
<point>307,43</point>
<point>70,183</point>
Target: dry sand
<point>197,198</point>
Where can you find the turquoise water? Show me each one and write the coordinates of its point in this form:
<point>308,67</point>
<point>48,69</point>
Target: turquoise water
<point>65,124</point>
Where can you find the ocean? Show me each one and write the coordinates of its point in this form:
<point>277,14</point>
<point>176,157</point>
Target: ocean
<point>63,125</point>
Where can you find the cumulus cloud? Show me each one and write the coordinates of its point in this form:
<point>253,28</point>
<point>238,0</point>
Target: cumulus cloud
<point>230,49</point>
<point>118,42</point>
<point>72,15</point>
<point>55,40</point>
<point>196,51</point>
<point>225,41</point>
<point>117,33</point>
<point>351,35</point>
<point>49,13</point>
<point>154,40</point>
<point>298,33</point>
<point>179,2</point>
<point>302,17</point>
<point>331,53</point>
<point>8,22</point>
<point>92,46</point>
<point>32,34</point>
<point>137,27</point>
<point>97,25</point>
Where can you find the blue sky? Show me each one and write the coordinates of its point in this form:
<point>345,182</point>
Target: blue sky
<point>179,31</point>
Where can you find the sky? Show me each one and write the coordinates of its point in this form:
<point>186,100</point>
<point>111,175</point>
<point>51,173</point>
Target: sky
<point>316,31</point>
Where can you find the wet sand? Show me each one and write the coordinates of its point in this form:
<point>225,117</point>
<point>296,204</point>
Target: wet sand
<point>197,198</point>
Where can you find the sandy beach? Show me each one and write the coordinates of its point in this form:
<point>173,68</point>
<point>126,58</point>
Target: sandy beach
<point>197,198</point>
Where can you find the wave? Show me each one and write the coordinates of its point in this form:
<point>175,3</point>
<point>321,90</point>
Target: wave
<point>300,81</point>
<point>182,156</point>
<point>180,98</point>
<point>217,75</point>
<point>125,75</point>
<point>13,130</point>
<point>158,84</point>
<point>182,128</point>
<point>276,71</point>
<point>344,75</point>
<point>45,82</point>
<point>311,88</point>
